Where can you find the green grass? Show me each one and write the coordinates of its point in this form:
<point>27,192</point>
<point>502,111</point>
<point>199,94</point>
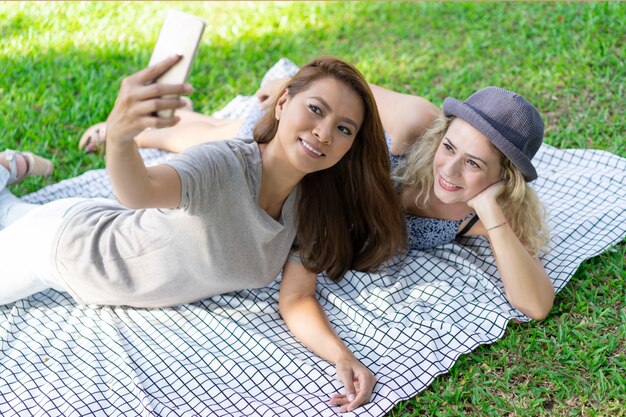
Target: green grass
<point>61,65</point>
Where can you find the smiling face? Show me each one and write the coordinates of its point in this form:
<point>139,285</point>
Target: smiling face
<point>465,164</point>
<point>318,125</point>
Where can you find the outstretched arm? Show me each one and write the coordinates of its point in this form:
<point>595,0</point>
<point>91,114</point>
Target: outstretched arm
<point>139,98</point>
<point>526,283</point>
<point>307,321</point>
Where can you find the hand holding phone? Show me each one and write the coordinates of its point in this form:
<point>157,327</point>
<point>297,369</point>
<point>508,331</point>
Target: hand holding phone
<point>180,34</point>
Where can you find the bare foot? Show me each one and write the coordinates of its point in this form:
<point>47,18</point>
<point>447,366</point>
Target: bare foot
<point>94,138</point>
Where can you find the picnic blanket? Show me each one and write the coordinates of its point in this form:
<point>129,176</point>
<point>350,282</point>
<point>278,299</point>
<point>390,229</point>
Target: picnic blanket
<point>232,355</point>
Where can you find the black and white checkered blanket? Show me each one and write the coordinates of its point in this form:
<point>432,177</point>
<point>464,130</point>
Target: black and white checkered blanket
<point>232,355</point>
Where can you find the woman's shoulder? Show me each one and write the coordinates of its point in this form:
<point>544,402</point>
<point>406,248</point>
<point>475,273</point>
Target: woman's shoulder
<point>247,146</point>
<point>225,150</point>
<point>219,145</point>
<point>213,162</point>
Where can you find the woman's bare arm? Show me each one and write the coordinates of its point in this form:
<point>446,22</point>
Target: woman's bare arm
<point>306,319</point>
<point>526,282</point>
<point>405,117</point>
<point>139,98</point>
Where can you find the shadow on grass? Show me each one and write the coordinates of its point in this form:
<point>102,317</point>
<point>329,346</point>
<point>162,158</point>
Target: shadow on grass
<point>52,96</point>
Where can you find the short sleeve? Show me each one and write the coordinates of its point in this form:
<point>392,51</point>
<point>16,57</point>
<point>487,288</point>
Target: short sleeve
<point>204,172</point>
<point>294,253</point>
<point>294,256</point>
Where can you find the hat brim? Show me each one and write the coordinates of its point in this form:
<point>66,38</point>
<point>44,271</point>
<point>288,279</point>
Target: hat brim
<point>454,107</point>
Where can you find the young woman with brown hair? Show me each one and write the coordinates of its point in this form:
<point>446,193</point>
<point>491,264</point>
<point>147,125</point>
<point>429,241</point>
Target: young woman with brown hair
<point>221,216</point>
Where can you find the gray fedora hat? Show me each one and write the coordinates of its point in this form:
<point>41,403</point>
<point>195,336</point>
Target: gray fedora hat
<point>508,120</point>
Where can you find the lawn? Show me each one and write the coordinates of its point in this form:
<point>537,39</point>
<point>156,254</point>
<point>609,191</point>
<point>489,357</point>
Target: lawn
<point>61,65</point>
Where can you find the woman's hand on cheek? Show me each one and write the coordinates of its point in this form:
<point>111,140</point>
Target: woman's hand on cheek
<point>140,98</point>
<point>486,197</point>
<point>358,381</point>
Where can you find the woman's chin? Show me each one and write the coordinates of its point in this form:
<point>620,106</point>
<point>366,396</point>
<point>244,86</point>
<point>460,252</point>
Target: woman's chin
<point>447,197</point>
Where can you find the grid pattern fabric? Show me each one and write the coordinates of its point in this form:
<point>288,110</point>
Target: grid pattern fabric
<point>232,355</point>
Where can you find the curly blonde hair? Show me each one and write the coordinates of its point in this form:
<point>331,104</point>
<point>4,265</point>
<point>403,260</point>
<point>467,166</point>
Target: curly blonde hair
<point>521,205</point>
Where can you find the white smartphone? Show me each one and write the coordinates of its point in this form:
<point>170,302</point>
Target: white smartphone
<point>180,34</point>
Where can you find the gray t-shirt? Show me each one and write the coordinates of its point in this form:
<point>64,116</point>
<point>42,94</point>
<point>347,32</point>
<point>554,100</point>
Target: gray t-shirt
<point>219,240</point>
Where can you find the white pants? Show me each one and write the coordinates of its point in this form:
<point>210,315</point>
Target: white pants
<point>27,232</point>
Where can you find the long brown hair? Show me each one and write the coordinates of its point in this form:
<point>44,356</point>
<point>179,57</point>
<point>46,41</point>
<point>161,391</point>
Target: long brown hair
<point>520,204</point>
<point>349,216</point>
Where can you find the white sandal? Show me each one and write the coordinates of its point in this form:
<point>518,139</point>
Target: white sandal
<point>35,165</point>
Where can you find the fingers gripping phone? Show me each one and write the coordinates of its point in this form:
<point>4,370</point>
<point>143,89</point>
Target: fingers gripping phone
<point>180,34</point>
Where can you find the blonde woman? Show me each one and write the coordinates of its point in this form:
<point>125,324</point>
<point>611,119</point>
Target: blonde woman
<point>468,176</point>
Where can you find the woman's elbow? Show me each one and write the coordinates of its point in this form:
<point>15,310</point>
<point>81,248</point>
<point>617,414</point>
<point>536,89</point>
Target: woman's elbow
<point>286,304</point>
<point>537,309</point>
<point>538,313</point>
<point>423,113</point>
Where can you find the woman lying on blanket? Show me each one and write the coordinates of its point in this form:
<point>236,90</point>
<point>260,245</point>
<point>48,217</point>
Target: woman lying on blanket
<point>466,177</point>
<point>240,204</point>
